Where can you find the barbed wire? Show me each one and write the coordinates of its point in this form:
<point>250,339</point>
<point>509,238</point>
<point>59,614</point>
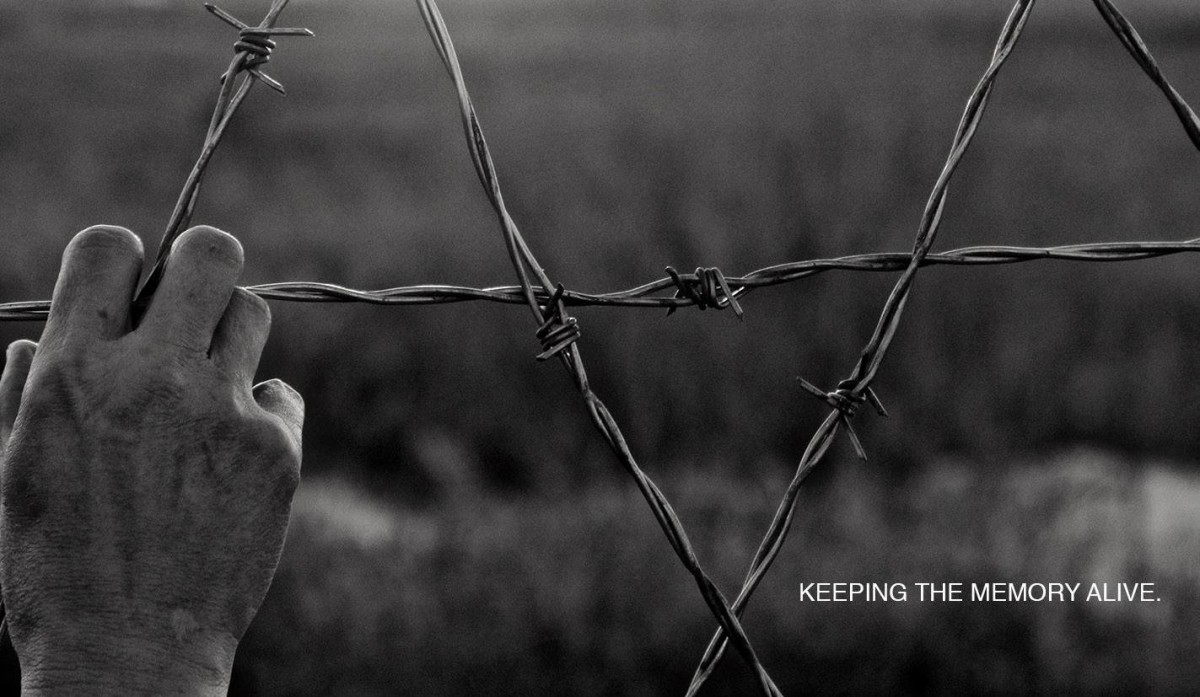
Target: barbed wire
<point>559,333</point>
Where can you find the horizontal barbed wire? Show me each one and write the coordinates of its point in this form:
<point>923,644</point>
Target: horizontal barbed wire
<point>644,295</point>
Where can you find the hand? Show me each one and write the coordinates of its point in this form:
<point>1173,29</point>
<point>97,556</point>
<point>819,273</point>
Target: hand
<point>145,486</point>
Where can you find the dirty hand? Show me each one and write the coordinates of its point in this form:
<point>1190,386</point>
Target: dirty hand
<point>145,485</point>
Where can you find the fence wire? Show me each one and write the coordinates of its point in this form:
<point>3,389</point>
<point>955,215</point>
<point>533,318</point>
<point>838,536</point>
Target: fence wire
<point>558,332</point>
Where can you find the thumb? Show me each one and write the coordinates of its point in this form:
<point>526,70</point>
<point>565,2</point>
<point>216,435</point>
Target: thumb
<point>277,397</point>
<point>12,383</point>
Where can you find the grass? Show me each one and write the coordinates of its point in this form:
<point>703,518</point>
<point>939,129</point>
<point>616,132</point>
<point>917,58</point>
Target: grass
<point>501,596</point>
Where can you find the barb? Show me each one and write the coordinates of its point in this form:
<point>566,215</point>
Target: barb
<point>708,288</point>
<point>846,401</point>
<point>255,41</point>
<point>558,331</point>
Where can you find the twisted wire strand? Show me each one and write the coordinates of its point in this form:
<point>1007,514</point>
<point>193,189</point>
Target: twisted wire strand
<point>553,314</point>
<point>858,385</point>
<point>1132,41</point>
<point>644,295</point>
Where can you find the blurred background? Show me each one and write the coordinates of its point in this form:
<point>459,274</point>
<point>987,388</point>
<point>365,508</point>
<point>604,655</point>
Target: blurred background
<point>463,529</point>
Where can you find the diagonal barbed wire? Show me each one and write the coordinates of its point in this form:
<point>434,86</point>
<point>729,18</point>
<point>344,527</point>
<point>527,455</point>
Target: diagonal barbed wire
<point>1132,41</point>
<point>558,332</point>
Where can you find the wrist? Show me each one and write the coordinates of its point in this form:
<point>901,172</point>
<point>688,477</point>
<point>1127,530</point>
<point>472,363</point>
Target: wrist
<point>166,655</point>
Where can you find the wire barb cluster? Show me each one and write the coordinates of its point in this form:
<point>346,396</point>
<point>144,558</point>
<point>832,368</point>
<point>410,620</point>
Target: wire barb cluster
<point>257,44</point>
<point>847,401</point>
<point>708,289</point>
<point>559,330</point>
<point>558,333</point>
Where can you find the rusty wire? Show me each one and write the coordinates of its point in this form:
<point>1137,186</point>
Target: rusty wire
<point>558,332</point>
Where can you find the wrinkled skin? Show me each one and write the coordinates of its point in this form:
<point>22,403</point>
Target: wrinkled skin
<point>145,485</point>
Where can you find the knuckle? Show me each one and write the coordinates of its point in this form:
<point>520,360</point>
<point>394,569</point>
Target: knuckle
<point>210,244</point>
<point>160,377</point>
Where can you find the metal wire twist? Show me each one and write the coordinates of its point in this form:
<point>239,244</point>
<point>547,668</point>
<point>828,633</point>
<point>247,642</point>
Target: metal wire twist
<point>256,44</point>
<point>847,401</point>
<point>708,289</point>
<point>558,333</point>
<point>1132,41</point>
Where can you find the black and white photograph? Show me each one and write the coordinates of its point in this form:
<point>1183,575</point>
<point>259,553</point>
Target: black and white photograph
<point>599,348</point>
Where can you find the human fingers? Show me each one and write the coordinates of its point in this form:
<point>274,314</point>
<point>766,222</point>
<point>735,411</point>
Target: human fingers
<point>276,397</point>
<point>16,369</point>
<point>197,282</point>
<point>241,334</point>
<point>95,284</point>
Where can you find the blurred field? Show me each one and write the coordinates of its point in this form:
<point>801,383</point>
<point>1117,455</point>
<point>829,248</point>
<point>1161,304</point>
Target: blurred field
<point>629,136</point>
<point>573,596</point>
